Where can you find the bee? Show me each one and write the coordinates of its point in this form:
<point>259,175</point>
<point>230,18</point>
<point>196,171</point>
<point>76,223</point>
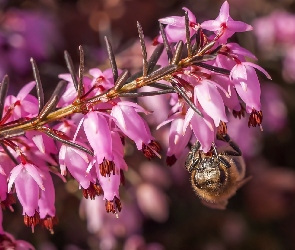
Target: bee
<point>215,177</point>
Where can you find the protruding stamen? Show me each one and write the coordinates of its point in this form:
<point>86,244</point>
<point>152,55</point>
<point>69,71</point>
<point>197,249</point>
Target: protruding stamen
<point>222,128</point>
<point>151,150</point>
<point>92,191</point>
<point>48,222</point>
<point>32,221</point>
<point>106,168</point>
<point>255,118</point>
<point>113,206</point>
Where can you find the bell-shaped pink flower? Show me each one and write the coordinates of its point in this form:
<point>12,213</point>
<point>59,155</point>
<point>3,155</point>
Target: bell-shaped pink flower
<point>6,165</point>
<point>203,128</point>
<point>28,182</point>
<point>178,137</point>
<point>247,84</point>
<point>118,152</point>
<point>110,186</point>
<point>209,98</point>
<point>98,134</point>
<point>76,161</point>
<point>132,124</point>
<point>47,197</point>
<point>230,100</point>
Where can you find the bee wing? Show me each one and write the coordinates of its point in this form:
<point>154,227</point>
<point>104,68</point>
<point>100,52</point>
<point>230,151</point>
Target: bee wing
<point>218,205</point>
<point>244,181</point>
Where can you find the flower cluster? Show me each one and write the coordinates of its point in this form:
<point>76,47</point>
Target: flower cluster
<point>212,93</point>
<point>92,121</point>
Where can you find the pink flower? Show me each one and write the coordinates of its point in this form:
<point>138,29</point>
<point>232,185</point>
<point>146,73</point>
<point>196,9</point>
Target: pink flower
<point>102,78</point>
<point>178,137</point>
<point>28,182</point>
<point>23,105</point>
<point>209,98</point>
<point>110,186</point>
<point>6,165</point>
<point>98,134</point>
<point>175,29</point>
<point>131,124</point>
<point>76,162</point>
<point>230,53</point>
<point>247,84</point>
<point>224,26</point>
<point>230,100</point>
<point>118,152</point>
<point>203,128</point>
<point>70,93</point>
<point>46,202</point>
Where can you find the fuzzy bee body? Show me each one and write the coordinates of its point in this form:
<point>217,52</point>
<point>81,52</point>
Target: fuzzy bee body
<point>215,177</point>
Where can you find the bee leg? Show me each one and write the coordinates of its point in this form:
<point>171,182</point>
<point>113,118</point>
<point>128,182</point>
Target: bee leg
<point>192,160</point>
<point>194,164</point>
<point>237,151</point>
<point>219,156</point>
<point>224,161</point>
<point>195,147</point>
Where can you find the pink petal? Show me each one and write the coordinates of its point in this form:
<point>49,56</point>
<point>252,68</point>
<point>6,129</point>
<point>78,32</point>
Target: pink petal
<point>95,72</point>
<point>211,101</point>
<point>13,175</point>
<point>252,94</point>
<point>110,186</point>
<point>137,107</point>
<point>202,131</point>
<point>34,172</point>
<point>224,12</point>
<point>211,25</point>
<point>66,77</point>
<point>238,26</point>
<point>46,201</point>
<point>174,21</point>
<point>30,107</point>
<point>25,90</point>
<point>77,166</point>
<point>98,134</point>
<point>238,50</point>
<point>177,139</point>
<point>27,192</point>
<point>170,119</point>
<point>38,140</point>
<point>259,68</point>
<point>238,71</point>
<point>191,16</point>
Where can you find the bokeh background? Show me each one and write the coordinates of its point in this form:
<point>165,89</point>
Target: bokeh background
<point>160,210</point>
